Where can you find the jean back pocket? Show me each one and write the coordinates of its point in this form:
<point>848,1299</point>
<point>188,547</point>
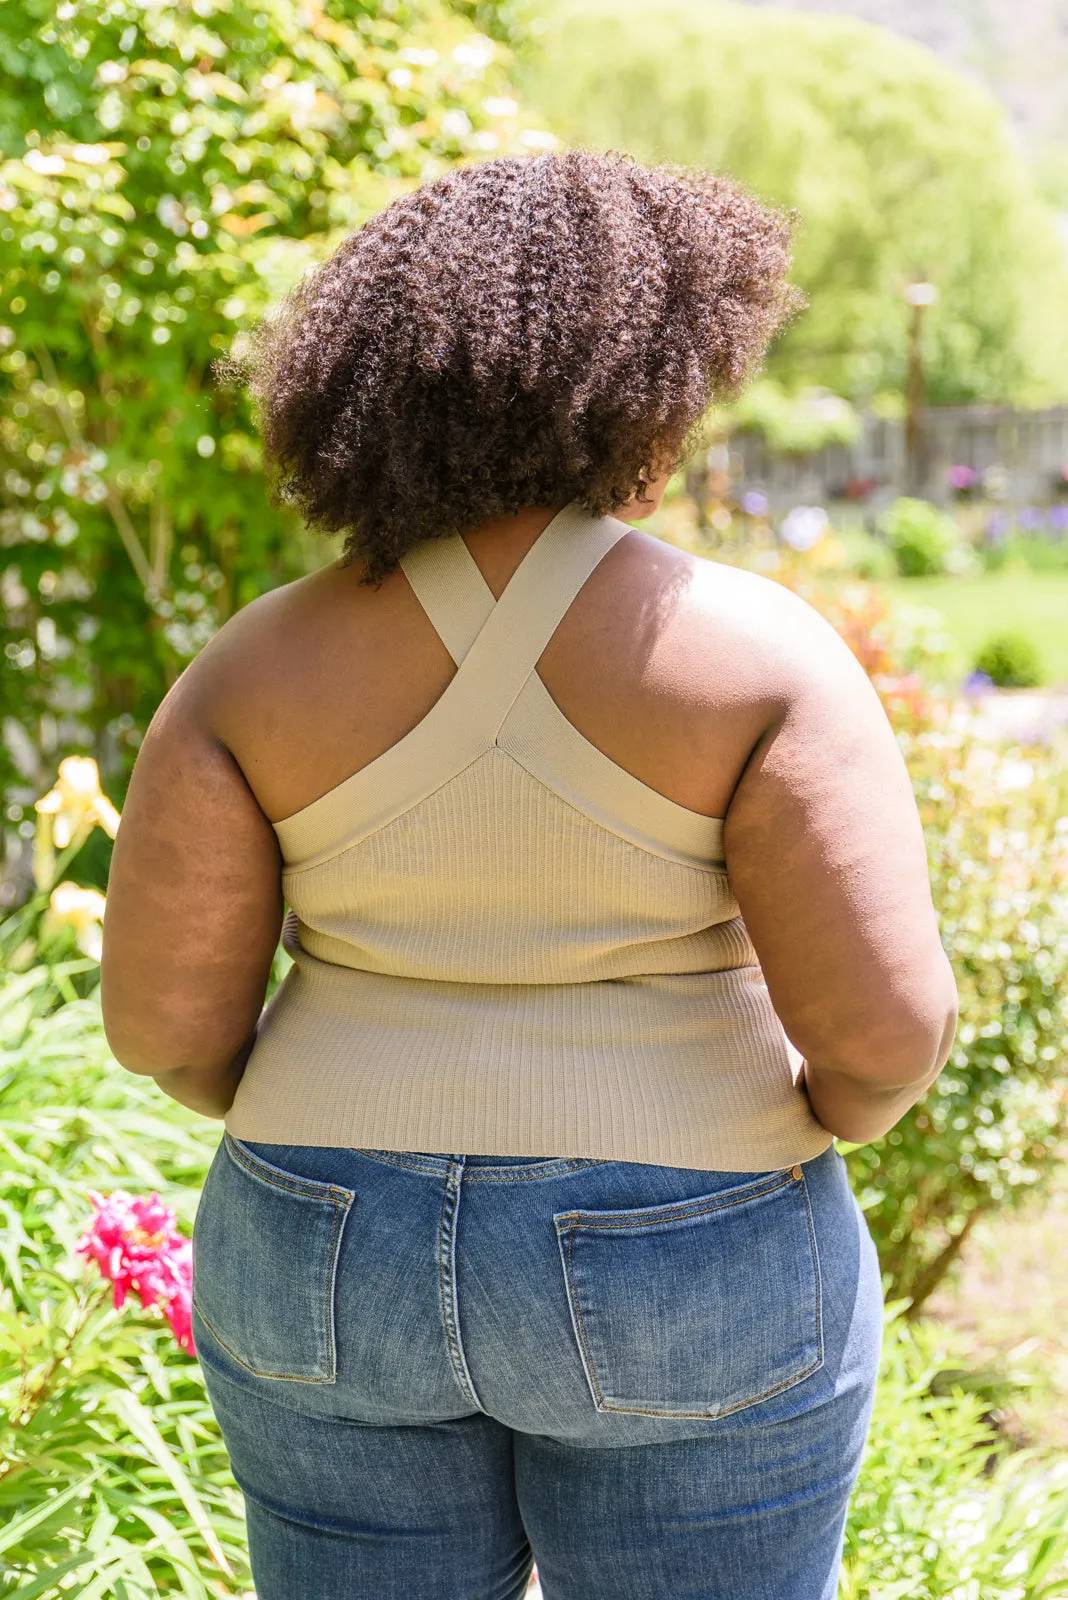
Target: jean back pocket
<point>266,1245</point>
<point>699,1308</point>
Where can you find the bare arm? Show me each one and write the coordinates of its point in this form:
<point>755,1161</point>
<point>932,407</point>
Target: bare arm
<point>194,908</point>
<point>826,857</point>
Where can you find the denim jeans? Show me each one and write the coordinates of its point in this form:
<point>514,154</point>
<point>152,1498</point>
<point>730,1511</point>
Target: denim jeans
<point>430,1370</point>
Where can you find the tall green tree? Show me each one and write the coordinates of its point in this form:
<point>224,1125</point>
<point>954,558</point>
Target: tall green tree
<point>167,171</point>
<point>899,168</point>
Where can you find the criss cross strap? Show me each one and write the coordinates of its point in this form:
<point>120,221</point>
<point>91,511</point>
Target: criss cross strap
<point>497,644</point>
<point>451,590</point>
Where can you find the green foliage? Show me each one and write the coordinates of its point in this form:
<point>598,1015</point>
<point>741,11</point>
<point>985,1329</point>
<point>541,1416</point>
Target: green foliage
<point>113,1477</point>
<point>1026,553</point>
<point>866,557</point>
<point>985,1134</point>
<point>924,540</point>
<point>165,172</point>
<point>928,1518</point>
<point>795,424</point>
<point>899,168</point>
<point>1011,661</point>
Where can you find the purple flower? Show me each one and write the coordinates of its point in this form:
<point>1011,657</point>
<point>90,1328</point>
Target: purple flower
<point>1058,518</point>
<point>977,683</point>
<point>962,477</point>
<point>804,527</point>
<point>754,504</point>
<point>1029,518</point>
<point>997,526</point>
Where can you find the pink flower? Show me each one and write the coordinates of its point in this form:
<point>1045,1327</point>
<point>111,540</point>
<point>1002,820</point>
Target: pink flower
<point>136,1244</point>
<point>179,1307</point>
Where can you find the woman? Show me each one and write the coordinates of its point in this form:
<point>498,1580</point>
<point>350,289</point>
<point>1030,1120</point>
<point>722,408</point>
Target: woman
<point>609,907</point>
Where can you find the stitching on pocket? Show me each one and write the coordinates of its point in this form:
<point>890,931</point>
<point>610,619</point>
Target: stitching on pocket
<point>580,1326</point>
<point>288,1377</point>
<point>256,1167</point>
<point>653,1216</point>
<point>672,1214</point>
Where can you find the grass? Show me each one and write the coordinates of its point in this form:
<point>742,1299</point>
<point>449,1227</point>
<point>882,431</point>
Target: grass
<point>973,610</point>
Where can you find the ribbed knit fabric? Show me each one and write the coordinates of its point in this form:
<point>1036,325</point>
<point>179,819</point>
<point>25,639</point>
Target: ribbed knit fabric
<point>504,943</point>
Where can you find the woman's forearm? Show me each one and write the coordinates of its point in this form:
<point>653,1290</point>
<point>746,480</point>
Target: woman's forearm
<point>859,1110</point>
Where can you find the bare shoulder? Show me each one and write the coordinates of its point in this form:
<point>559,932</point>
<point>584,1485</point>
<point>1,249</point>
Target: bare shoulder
<point>768,643</point>
<point>262,651</point>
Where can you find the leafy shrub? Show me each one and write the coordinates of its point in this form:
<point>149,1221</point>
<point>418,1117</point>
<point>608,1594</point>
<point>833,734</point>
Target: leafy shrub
<point>795,424</point>
<point>1030,552</point>
<point>1010,661</point>
<point>165,172</point>
<point>924,541</point>
<point>996,821</point>
<point>929,1519</point>
<point>867,558</point>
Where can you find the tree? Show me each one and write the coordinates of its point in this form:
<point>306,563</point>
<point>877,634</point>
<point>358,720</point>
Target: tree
<point>167,171</point>
<point>899,168</point>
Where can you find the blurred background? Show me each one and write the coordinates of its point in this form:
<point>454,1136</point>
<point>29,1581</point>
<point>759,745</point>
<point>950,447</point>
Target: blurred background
<point>167,170</point>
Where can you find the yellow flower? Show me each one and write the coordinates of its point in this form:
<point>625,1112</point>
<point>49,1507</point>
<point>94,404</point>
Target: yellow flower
<point>81,909</point>
<point>77,802</point>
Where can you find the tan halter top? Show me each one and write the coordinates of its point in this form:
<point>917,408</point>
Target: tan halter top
<point>503,942</point>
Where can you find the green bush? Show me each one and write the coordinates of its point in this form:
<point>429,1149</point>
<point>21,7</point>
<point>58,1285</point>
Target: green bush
<point>1011,661</point>
<point>865,557</point>
<point>166,171</point>
<point>795,424</point>
<point>1027,551</point>
<point>940,1510</point>
<point>924,541</point>
<point>984,1136</point>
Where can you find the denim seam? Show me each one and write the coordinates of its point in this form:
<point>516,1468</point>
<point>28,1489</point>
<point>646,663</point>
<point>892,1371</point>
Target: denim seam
<point>605,1405</point>
<point>816,1268</point>
<point>409,1163</point>
<point>521,1175</point>
<point>450,1311</point>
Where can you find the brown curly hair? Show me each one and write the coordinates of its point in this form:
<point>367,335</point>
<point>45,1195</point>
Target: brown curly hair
<point>521,332</point>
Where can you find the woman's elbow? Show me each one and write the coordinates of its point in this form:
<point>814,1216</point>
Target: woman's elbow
<point>893,1045</point>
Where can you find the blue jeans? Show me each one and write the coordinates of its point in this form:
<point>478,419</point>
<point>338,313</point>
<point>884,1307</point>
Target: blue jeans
<point>430,1370</point>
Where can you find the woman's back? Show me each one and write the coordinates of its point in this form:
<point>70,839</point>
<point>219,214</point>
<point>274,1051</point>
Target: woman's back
<point>663,661</point>
<point>503,937</point>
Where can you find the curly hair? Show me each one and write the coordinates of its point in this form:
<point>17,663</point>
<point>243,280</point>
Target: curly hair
<point>521,332</point>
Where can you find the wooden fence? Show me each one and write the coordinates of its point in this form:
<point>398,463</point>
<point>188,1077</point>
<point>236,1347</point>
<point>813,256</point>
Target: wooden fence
<point>1021,455</point>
